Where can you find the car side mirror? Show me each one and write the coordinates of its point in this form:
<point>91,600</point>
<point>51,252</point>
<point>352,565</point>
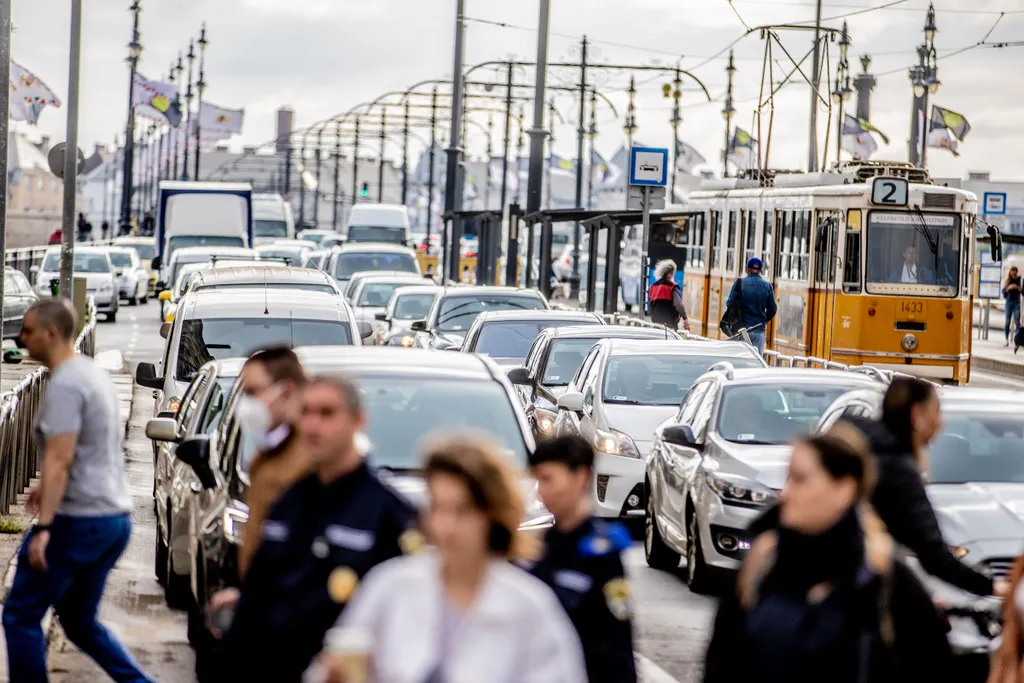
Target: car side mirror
<point>519,376</point>
<point>571,401</point>
<point>382,316</point>
<point>33,269</point>
<point>195,453</point>
<point>418,326</point>
<point>162,429</point>
<point>679,435</point>
<point>996,246</point>
<point>145,375</point>
<point>365,329</point>
<point>165,330</point>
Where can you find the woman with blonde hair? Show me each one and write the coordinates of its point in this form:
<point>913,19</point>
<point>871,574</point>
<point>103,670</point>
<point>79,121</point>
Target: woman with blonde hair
<point>459,611</point>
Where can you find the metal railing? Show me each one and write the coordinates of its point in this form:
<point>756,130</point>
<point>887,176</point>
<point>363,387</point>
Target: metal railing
<point>19,456</point>
<point>24,258</point>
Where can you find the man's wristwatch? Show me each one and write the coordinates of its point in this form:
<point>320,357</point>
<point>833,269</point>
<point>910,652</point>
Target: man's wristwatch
<point>41,527</point>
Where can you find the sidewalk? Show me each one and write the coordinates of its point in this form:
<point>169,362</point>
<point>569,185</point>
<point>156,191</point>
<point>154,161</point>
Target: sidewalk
<point>18,519</point>
<point>994,357</point>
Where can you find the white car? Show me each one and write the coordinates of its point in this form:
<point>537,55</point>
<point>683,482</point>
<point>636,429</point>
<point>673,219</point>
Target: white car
<point>132,276</point>
<point>91,263</point>
<point>623,390</point>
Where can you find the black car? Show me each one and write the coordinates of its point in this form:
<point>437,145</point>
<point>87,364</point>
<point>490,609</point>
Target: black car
<point>553,360</point>
<point>456,309</point>
<point>506,336</point>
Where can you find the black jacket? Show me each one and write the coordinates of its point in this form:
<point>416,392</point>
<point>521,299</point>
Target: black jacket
<point>785,638</point>
<point>901,502</point>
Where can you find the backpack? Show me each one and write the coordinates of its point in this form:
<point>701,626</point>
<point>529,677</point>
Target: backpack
<point>732,320</point>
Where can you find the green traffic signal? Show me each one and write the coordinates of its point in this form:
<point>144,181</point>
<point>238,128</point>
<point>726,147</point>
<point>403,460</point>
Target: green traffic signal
<point>366,190</point>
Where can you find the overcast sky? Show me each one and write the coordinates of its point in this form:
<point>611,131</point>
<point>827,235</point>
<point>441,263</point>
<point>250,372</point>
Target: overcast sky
<point>323,56</point>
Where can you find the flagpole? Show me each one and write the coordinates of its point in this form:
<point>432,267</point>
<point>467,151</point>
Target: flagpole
<point>70,176</point>
<point>200,87</point>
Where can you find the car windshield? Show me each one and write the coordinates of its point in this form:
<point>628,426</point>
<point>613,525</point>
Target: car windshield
<point>401,412</point>
<point>84,263</point>
<point>290,255</point>
<point>181,241</point>
<point>977,447</point>
<point>314,237</point>
<point>564,360</point>
<point>301,286</point>
<point>659,379</point>
<point>376,294</point>
<point>513,338</point>
<point>120,259</point>
<point>216,338</point>
<point>413,306</point>
<point>773,414</point>
<point>458,312</point>
<point>145,251</point>
<point>350,263</point>
<point>376,233</point>
<point>913,252</point>
<point>269,228</point>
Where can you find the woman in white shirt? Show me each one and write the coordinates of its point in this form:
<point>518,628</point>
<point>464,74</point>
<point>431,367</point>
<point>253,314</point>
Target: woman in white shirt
<point>460,612</point>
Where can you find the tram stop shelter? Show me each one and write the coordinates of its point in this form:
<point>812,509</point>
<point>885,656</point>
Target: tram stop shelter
<point>487,225</point>
<point>668,238</point>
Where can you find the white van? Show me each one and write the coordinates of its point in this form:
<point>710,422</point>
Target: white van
<point>272,217</point>
<point>387,223</point>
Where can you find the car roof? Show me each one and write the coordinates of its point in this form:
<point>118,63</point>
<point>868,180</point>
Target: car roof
<point>256,301</point>
<point>776,375</point>
<point>212,251</point>
<point>389,276</point>
<point>282,246</point>
<point>383,360</point>
<point>681,347</point>
<point>536,314</point>
<point>134,239</point>
<point>976,399</point>
<point>80,250</point>
<point>119,248</point>
<point>418,289</point>
<point>470,292</point>
<point>260,273</point>
<point>230,367</point>
<point>374,248</point>
<point>607,332</point>
<point>317,231</point>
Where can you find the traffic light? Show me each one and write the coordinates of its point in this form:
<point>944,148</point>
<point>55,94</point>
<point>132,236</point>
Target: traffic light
<point>365,192</point>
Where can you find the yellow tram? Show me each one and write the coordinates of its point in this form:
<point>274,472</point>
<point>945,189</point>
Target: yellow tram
<point>871,264</point>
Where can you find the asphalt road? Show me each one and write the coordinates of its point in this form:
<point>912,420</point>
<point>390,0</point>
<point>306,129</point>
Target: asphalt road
<point>672,624</point>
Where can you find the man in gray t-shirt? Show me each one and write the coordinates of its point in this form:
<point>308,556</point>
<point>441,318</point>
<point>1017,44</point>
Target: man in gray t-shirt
<point>82,503</point>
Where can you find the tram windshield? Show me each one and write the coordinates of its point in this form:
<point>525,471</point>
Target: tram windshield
<point>913,252</point>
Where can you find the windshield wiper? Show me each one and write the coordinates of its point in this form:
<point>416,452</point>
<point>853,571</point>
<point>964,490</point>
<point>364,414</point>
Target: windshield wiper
<point>448,314</point>
<point>933,242</point>
<point>624,401</point>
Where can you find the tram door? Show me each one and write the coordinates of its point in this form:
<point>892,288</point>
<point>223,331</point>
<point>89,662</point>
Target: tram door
<point>822,294</point>
<point>714,303</point>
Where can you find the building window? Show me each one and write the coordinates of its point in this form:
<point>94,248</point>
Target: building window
<point>42,184</point>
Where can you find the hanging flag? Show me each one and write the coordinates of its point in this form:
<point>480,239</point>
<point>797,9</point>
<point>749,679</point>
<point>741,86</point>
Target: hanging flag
<point>29,95</point>
<point>947,129</point>
<point>743,149</point>
<point>688,158</point>
<point>228,122</point>
<point>607,174</point>
<point>857,139</point>
<point>561,165</point>
<point>157,100</point>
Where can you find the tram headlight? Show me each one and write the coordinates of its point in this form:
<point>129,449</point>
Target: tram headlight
<point>909,342</point>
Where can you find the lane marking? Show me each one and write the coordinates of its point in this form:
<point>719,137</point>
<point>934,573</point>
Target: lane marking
<point>649,672</point>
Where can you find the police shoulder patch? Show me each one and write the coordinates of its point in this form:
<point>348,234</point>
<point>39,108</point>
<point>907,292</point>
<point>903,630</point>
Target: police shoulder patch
<point>412,542</point>
<point>618,597</point>
<point>606,538</point>
<point>341,584</point>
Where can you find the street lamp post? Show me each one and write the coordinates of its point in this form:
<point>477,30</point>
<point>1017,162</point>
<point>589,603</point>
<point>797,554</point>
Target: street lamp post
<point>380,165</point>
<point>176,73</point>
<point>200,87</point>
<point>134,53</point>
<point>592,134</point>
<point>630,127</point>
<point>675,91</point>
<point>189,96</point>
<point>842,90</point>
<point>924,76</point>
<point>727,112</point>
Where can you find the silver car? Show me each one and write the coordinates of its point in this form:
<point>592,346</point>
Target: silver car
<point>174,482</point>
<point>405,306</point>
<point>369,295</point>
<point>91,263</point>
<point>722,455</point>
<point>623,390</point>
<point>132,276</point>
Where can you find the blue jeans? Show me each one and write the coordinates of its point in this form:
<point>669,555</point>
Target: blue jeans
<point>80,555</point>
<point>757,338</point>
<point>1012,313</point>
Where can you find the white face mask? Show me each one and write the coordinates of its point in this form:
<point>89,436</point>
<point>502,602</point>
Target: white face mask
<point>254,416</point>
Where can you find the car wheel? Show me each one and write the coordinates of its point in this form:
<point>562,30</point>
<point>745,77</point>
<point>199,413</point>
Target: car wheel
<point>160,559</point>
<point>177,589</point>
<point>112,317</point>
<point>657,554</point>
<point>698,574</point>
<point>134,301</point>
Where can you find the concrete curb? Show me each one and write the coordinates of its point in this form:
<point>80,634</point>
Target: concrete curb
<point>997,367</point>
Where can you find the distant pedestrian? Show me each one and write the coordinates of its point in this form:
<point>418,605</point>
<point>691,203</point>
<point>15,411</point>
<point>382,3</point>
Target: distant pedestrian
<point>84,228</point>
<point>666,297</point>
<point>822,595</point>
<point>756,301</point>
<point>582,559</point>
<point>148,224</point>
<point>1011,294</point>
<point>105,230</point>
<point>461,611</point>
<point>55,237</point>
<point>82,503</point>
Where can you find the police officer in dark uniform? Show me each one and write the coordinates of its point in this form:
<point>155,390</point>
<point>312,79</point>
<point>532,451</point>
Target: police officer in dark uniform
<point>318,541</point>
<point>582,559</point>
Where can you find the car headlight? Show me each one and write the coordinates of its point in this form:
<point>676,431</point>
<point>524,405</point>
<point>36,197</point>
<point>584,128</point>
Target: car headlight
<point>959,552</point>
<point>736,490</point>
<point>545,422</point>
<point>106,287</point>
<point>408,340</point>
<point>234,519</point>
<point>614,442</point>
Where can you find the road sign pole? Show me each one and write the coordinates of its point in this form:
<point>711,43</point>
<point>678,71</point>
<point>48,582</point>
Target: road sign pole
<point>646,230</point>
<point>67,252</point>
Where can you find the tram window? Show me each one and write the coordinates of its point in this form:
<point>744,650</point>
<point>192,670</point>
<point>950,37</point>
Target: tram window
<point>851,263</point>
<point>749,235</point>
<point>766,247</point>
<point>730,247</point>
<point>801,244</point>
<point>826,236</point>
<point>965,256</point>
<point>716,240</point>
<point>786,269</point>
<point>696,248</point>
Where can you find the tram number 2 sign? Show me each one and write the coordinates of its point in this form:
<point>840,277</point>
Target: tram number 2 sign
<point>889,191</point>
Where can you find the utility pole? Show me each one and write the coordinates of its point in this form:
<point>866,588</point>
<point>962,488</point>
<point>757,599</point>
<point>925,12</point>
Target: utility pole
<point>67,233</point>
<point>355,164</point>
<point>337,173</point>
<point>302,179</point>
<point>189,96</point>
<point>127,172</point>
<point>200,87</point>
<point>677,95</point>
<point>430,165</point>
<point>727,112</point>
<point>925,79</point>
<point>574,278</point>
<point>178,135</point>
<point>812,150</point>
<point>490,152</point>
<point>535,180</point>
<point>842,91</point>
<point>5,101</point>
<point>592,134</point>
<point>551,149</point>
<point>380,166</point>
<point>405,154</point>
<point>316,190</point>
<point>508,134</point>
<point>630,127</point>
<point>453,176</point>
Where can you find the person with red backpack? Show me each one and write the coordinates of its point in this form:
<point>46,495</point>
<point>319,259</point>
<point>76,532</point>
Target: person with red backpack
<point>666,296</point>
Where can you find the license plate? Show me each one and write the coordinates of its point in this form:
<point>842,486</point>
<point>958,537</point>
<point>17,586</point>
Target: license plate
<point>911,309</point>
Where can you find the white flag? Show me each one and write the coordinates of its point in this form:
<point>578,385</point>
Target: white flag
<point>28,95</point>
<point>226,122</point>
<point>860,146</point>
<point>688,158</point>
